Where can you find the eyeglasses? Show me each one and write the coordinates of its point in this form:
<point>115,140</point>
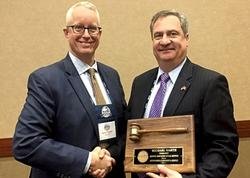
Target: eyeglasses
<point>80,29</point>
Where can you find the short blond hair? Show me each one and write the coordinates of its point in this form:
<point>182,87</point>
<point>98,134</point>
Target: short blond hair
<point>85,4</point>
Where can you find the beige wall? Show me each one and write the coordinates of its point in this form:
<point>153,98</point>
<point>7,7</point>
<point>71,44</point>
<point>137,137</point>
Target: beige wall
<point>31,36</point>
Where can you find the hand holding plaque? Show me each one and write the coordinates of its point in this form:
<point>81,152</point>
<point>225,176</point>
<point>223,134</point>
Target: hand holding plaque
<point>167,140</point>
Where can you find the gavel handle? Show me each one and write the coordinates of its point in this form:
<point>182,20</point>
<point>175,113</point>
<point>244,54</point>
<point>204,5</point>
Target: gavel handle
<point>169,130</point>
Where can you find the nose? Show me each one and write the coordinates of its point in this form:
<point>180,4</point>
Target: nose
<point>85,33</point>
<point>165,40</point>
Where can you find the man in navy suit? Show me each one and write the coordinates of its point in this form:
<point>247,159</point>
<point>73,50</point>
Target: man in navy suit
<point>62,131</point>
<point>190,89</point>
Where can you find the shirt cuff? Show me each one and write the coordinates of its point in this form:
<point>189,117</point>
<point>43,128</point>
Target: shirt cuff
<point>87,164</point>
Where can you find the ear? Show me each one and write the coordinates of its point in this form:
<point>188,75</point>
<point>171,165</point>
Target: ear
<point>187,38</point>
<point>66,33</point>
<point>100,33</point>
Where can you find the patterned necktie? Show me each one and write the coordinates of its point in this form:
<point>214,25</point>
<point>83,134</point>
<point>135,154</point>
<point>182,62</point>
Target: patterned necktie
<point>96,88</point>
<point>157,105</point>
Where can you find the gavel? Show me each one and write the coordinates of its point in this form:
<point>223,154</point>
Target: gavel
<point>136,131</point>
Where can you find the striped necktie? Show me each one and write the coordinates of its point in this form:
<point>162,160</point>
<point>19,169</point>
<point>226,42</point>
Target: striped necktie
<point>157,105</point>
<point>96,88</point>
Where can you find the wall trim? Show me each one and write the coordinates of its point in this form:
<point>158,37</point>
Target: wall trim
<point>243,128</point>
<point>5,147</point>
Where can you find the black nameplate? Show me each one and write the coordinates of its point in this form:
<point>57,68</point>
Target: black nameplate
<point>161,155</point>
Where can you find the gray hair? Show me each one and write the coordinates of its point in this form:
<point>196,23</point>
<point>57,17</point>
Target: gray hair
<point>85,4</point>
<point>164,13</point>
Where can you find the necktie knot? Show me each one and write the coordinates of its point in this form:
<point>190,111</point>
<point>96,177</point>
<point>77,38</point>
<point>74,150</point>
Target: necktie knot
<point>91,72</point>
<point>164,78</point>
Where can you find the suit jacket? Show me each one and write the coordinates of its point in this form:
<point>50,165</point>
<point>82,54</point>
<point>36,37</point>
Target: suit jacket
<point>207,97</point>
<point>58,125</point>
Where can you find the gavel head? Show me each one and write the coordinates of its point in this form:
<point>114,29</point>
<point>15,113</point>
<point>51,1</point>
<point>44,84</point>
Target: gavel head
<point>134,134</point>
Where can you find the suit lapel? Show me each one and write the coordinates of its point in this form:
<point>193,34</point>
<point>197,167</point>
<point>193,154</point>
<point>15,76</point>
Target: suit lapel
<point>80,90</point>
<point>181,86</point>
<point>144,91</point>
<point>107,79</point>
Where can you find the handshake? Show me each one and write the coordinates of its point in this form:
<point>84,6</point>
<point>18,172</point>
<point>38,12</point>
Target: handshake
<point>101,162</point>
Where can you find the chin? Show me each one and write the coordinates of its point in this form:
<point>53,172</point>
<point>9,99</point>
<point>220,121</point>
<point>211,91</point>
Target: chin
<point>166,58</point>
<point>85,51</point>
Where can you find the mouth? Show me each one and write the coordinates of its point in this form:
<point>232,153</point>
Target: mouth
<point>85,43</point>
<point>166,49</point>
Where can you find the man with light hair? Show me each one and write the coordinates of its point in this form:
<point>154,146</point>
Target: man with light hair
<point>71,125</point>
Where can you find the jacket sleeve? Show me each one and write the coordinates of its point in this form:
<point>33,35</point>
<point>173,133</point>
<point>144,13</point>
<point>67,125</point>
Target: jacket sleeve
<point>220,149</point>
<point>33,142</point>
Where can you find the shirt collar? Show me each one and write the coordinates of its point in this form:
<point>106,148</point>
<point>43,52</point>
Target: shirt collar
<point>173,74</point>
<point>81,66</point>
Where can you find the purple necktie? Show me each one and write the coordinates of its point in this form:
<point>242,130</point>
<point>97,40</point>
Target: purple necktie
<point>157,105</point>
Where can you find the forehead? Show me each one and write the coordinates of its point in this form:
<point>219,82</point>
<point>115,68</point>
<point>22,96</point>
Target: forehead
<point>170,22</point>
<point>84,15</point>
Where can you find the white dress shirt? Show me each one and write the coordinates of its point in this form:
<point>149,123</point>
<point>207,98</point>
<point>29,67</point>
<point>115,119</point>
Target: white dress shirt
<point>82,69</point>
<point>170,84</point>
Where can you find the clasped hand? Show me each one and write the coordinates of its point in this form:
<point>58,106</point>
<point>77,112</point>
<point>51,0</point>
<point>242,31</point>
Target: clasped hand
<point>101,162</point>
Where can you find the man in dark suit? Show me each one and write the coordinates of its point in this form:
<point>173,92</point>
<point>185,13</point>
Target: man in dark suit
<point>62,130</point>
<point>188,89</point>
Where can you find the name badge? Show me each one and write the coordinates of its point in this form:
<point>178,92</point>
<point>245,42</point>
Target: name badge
<point>107,130</point>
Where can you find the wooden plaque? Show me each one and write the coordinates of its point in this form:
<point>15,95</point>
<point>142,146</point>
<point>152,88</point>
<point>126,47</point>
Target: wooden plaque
<point>167,140</point>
